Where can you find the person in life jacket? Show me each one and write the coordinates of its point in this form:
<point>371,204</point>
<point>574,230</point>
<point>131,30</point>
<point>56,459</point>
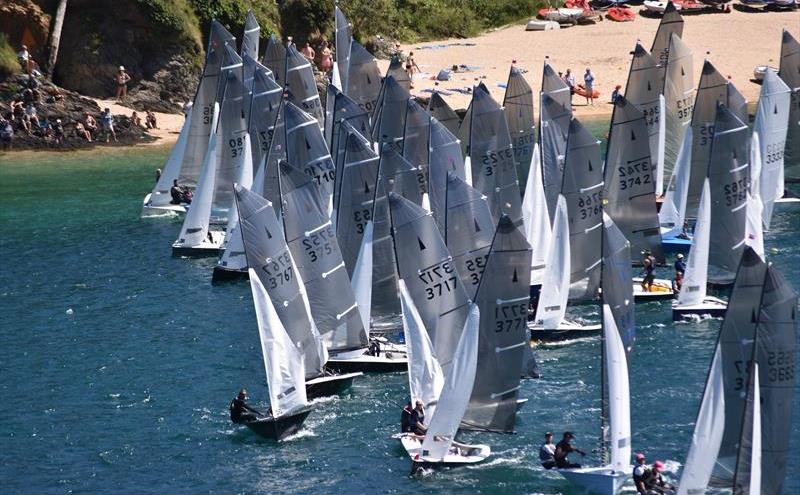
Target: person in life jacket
<point>405,418</point>
<point>547,452</point>
<point>240,411</point>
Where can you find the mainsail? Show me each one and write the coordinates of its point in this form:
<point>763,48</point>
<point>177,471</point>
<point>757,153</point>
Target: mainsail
<point>771,126</point>
<point>306,149</point>
<point>267,186</point>
<point>312,242</point>
<point>678,100</point>
<point>429,271</point>
<point>271,262</point>
<point>536,219</point>
<point>555,113</point>
<point>233,257</point>
<point>616,282</point>
<point>729,178</point>
<point>389,117</point>
<point>202,117</point>
<point>583,190</point>
<point>344,36</point>
<point>444,156</point>
<point>344,109</point>
<point>398,72</point>
<point>469,231</point>
<point>518,107</point>
<point>502,298</point>
<point>301,85</point>
<point>252,31</point>
<point>441,111</point>
<point>790,73</point>
<point>265,102</point>
<point>629,196</point>
<point>275,59</point>
<point>363,81</point>
<point>416,138</point>
<point>161,195</point>
<point>644,87</point>
<point>494,172</point>
<point>671,22</point>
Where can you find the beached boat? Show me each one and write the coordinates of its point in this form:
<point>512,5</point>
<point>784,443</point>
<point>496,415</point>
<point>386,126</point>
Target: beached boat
<point>743,428</point>
<point>562,15</point>
<point>621,14</point>
<point>537,25</point>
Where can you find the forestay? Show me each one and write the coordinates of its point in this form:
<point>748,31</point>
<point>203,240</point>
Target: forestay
<point>518,108</point>
<point>312,242</point>
<point>202,116</point>
<point>271,262</point>
<point>789,72</point>
<point>583,190</point>
<point>429,271</point>
<point>469,231</point>
<point>306,149</point>
<point>494,172</point>
<point>458,384</point>
<point>771,126</point>
<point>630,194</point>
<point>729,179</point>
<point>555,113</point>
<point>502,297</point>
<point>301,86</point>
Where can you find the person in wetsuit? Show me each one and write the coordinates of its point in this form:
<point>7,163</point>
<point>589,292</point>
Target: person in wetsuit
<point>649,271</point>
<point>405,418</point>
<point>418,419</point>
<point>563,449</point>
<point>240,411</point>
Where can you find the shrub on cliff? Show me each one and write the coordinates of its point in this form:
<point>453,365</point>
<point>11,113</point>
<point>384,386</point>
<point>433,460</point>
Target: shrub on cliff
<point>8,58</point>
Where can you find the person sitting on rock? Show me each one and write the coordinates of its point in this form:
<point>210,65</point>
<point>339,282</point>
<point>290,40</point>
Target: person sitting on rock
<point>90,123</point>
<point>150,120</point>
<point>25,59</point>
<point>81,131</point>
<point>58,132</point>
<point>6,133</point>
<point>135,119</point>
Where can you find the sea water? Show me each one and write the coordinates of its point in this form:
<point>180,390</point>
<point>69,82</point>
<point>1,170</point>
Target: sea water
<point>118,362</point>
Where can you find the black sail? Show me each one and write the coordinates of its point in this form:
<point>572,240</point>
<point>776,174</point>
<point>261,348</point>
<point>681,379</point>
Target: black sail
<point>789,71</point>
<point>275,59</point>
<point>518,106</point>
<point>416,138</point>
<point>363,82</point>
<point>389,118</point>
<point>442,112</point>
<point>306,149</point>
<point>301,85</point>
<point>444,156</point>
<point>671,22</point>
<point>555,113</point>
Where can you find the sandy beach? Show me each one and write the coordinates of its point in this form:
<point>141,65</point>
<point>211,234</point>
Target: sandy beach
<point>736,43</point>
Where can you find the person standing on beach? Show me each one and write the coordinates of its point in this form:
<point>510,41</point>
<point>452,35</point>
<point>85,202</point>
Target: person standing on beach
<point>122,78</point>
<point>308,52</point>
<point>588,85</point>
<point>326,58</point>
<point>569,80</point>
<point>411,64</point>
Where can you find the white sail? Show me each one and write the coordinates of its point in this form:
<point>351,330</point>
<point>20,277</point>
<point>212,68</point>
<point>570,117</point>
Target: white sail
<point>160,195</point>
<point>425,376</point>
<point>755,442</point>
<point>660,146</point>
<point>619,397</point>
<point>283,362</point>
<point>555,283</point>
<point>696,277</point>
<point>708,431</point>
<point>536,219</point>
<point>673,210</point>
<point>233,258</point>
<point>195,225</point>
<point>753,230</point>
<point>456,391</point>
<point>362,277</point>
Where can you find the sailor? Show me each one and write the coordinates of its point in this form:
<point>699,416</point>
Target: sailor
<point>640,473</point>
<point>240,411</point>
<point>680,265</point>
<point>179,194</point>
<point>648,273</point>
<point>547,452</point>
<point>418,419</point>
<point>677,284</point>
<point>654,483</point>
<point>405,418</point>
<point>374,348</point>
<point>563,449</point>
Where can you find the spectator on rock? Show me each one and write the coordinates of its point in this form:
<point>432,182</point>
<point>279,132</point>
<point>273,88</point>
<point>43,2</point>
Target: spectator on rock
<point>30,111</point>
<point>150,120</point>
<point>58,132</point>
<point>135,119</point>
<point>6,133</point>
<point>308,52</point>
<point>107,121</point>
<point>81,131</point>
<point>90,123</point>
<point>122,78</point>
<point>326,58</point>
<point>45,130</point>
<point>25,60</point>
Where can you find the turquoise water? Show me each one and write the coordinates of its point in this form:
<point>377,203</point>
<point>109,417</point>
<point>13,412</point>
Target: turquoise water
<point>130,392</point>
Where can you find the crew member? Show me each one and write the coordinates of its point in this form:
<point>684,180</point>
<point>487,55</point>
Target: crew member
<point>563,449</point>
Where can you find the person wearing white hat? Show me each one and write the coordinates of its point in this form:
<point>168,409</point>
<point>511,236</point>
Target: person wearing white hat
<point>122,78</point>
<point>680,265</point>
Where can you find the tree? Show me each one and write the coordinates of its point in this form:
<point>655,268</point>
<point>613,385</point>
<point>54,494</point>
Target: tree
<point>55,37</point>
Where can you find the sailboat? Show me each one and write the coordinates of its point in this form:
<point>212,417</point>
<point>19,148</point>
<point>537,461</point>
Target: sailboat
<point>275,59</point>
<point>269,258</point>
<point>444,156</point>
<point>301,86</point>
<point>159,201</point>
<point>555,114</point>
<point>438,447</point>
<point>743,428</point>
<point>363,82</point>
<point>518,109</point>
<point>398,72</point>
<point>618,330</point>
<point>251,35</point>
<point>789,72</point>
<point>343,38</point>
<point>441,111</point>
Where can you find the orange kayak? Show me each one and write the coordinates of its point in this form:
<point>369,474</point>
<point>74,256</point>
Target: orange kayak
<point>621,14</point>
<point>580,90</point>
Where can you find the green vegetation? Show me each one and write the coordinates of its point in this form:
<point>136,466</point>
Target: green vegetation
<point>231,14</point>
<point>172,17</point>
<point>8,58</point>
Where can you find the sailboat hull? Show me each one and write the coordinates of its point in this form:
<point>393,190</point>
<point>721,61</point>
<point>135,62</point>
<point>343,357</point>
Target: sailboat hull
<point>222,274</point>
<point>386,362</point>
<point>459,455</point>
<point>599,480</point>
<point>326,386</point>
<point>167,210</point>
<point>279,428</point>
<point>711,307</point>
<point>205,249</point>
<point>661,289</point>
<point>676,245</point>
<point>567,330</point>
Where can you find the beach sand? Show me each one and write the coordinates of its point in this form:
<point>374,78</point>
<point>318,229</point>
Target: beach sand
<point>737,42</point>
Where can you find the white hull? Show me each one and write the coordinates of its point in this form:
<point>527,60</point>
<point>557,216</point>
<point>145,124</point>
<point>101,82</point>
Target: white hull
<point>149,210</point>
<point>537,25</point>
<point>661,289</point>
<point>600,480</point>
<point>566,330</point>
<point>788,201</point>
<point>460,454</point>
<point>208,247</point>
<point>710,307</point>
<point>659,7</point>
